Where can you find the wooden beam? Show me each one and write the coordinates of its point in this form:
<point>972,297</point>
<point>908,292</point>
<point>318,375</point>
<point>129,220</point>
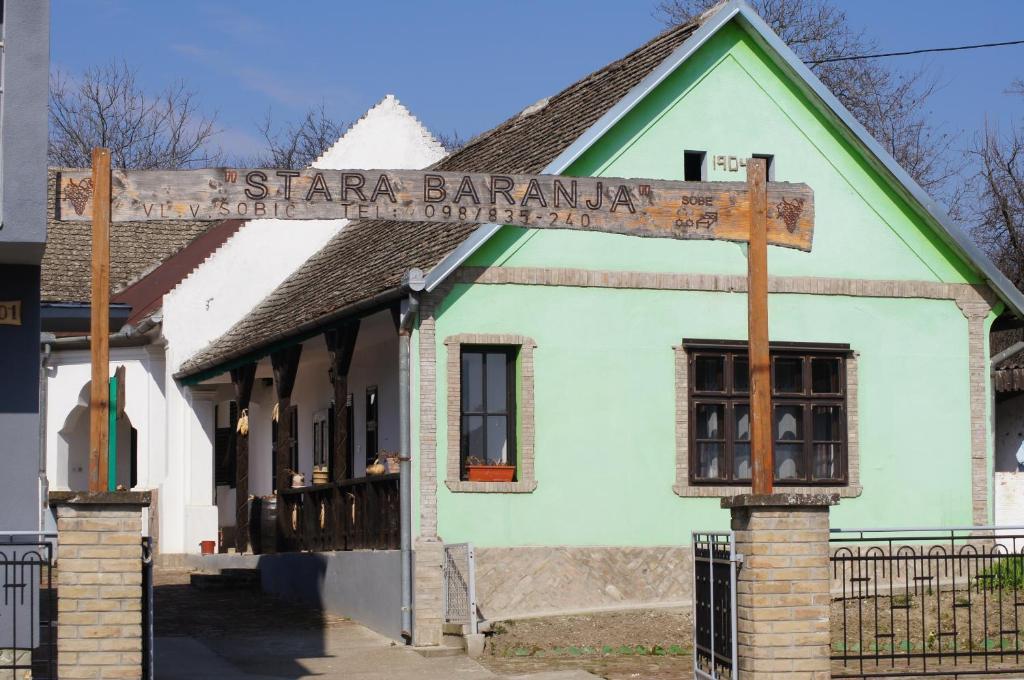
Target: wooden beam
<point>285,363</point>
<point>242,378</point>
<point>99,389</point>
<point>341,343</point>
<point>757,314</point>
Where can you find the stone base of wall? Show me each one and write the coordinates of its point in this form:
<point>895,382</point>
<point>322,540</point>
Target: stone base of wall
<point>532,581</point>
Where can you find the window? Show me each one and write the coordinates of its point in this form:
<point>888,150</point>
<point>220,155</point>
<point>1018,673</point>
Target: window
<point>321,438</point>
<point>371,425</point>
<point>694,166</point>
<point>808,413</point>
<point>769,165</point>
<point>224,444</point>
<point>487,411</point>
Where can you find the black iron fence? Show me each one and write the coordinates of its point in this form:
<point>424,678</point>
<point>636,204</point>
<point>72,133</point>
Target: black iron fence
<point>354,514</point>
<point>913,602</point>
<point>28,606</point>
<point>714,605</point>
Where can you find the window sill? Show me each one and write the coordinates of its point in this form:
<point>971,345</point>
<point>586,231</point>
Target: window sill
<point>851,491</point>
<point>491,487</point>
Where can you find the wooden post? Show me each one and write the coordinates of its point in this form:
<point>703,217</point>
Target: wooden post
<point>242,379</point>
<point>757,333</point>
<point>341,343</point>
<point>99,398</point>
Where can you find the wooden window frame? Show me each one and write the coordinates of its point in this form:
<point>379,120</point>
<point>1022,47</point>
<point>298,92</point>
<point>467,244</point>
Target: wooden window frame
<point>511,353</point>
<point>730,397</point>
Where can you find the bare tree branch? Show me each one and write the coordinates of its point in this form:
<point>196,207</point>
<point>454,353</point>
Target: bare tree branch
<point>297,144</point>
<point>890,106</point>
<point>106,107</point>
<point>451,141</point>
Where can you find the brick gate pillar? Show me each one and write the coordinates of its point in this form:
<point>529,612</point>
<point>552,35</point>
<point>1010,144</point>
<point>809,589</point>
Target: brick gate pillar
<point>782,588</point>
<point>99,584</point>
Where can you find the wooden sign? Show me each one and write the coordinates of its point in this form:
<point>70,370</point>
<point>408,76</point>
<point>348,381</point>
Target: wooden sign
<point>10,313</point>
<point>638,207</point>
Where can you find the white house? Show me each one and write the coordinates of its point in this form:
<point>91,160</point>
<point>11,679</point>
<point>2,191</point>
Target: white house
<point>188,284</point>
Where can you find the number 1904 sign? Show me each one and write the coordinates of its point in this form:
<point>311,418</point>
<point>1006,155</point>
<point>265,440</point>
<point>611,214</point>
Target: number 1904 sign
<point>667,209</point>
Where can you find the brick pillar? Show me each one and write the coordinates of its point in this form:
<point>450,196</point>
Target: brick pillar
<point>99,584</point>
<point>428,617</point>
<point>782,589</point>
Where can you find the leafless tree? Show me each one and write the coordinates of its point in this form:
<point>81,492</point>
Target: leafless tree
<point>451,141</point>
<point>297,144</point>
<point>105,106</point>
<point>888,104</point>
<point>996,211</point>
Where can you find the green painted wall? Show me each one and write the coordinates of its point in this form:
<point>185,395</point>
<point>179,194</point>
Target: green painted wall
<point>605,446</point>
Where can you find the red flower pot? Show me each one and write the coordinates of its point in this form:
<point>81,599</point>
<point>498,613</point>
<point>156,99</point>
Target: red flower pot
<point>491,473</point>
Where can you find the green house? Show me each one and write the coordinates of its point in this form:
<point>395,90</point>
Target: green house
<point>605,375</point>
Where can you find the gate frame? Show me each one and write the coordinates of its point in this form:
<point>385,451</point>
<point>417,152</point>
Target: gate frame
<point>471,615</point>
<point>712,540</point>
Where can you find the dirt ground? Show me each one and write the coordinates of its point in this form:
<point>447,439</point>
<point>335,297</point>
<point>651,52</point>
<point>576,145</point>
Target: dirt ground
<point>635,645</point>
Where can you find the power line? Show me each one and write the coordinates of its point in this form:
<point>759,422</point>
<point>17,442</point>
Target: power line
<point>924,51</point>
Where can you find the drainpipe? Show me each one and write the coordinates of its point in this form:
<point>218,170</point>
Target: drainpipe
<point>1010,351</point>
<point>413,282</point>
<point>44,488</point>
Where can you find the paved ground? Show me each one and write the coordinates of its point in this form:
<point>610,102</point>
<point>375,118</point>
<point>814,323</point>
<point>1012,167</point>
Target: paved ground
<point>232,635</point>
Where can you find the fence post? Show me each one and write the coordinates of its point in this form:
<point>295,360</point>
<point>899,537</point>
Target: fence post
<point>782,589</point>
<point>99,576</point>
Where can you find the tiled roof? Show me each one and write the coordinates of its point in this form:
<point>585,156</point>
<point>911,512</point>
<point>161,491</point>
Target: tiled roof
<point>135,248</point>
<point>1008,376</point>
<point>369,258</point>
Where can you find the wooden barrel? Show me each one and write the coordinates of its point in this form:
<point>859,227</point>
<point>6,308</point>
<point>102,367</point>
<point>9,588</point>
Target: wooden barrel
<point>268,524</point>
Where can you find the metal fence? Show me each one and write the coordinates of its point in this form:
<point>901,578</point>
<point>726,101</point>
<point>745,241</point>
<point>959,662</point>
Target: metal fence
<point>459,590</point>
<point>914,602</point>
<point>714,605</point>
<point>28,606</point>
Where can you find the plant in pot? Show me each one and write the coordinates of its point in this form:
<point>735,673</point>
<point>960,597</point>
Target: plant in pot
<point>482,470</point>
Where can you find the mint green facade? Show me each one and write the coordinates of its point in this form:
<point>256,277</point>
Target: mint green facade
<point>605,398</point>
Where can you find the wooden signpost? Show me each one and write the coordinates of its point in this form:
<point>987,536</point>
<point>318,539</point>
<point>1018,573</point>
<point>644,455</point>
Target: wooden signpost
<point>756,212</point>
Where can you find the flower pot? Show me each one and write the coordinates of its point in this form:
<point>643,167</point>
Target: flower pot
<point>491,473</point>
<point>206,547</point>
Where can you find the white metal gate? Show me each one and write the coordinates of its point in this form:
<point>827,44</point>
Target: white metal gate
<point>714,605</point>
<point>459,579</point>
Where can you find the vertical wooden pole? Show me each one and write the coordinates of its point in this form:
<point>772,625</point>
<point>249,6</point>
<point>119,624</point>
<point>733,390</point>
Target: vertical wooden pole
<point>99,398</point>
<point>757,333</point>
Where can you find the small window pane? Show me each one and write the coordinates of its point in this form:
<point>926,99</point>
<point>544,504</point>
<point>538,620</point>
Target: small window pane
<point>789,423</point>
<point>473,381</point>
<point>710,421</point>
<point>741,416</point>
<point>740,374</point>
<point>789,374</point>
<point>710,373</point>
<point>787,461</point>
<point>827,423</point>
<point>497,439</point>
<point>497,382</point>
<point>826,461</point>
<point>710,459</point>
<point>825,376</point>
<point>473,436</point>
<point>741,461</point>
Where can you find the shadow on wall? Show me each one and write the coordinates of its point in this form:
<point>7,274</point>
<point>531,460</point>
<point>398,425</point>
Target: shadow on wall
<point>73,448</point>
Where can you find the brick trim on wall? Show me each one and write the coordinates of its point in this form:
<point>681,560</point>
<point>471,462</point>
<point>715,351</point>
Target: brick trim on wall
<point>524,406</point>
<point>683,488</point>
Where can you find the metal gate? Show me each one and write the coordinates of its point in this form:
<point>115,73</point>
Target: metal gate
<point>147,608</point>
<point>714,605</point>
<point>28,606</point>
<point>459,590</point>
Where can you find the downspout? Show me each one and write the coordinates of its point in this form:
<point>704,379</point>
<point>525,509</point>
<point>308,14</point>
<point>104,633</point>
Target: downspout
<point>44,487</point>
<point>1007,353</point>
<point>413,283</point>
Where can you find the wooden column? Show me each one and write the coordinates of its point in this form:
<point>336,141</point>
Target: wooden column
<point>99,389</point>
<point>242,378</point>
<point>286,364</point>
<point>757,334</point>
<point>341,343</point>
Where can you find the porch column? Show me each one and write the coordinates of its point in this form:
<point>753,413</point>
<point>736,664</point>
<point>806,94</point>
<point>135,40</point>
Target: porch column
<point>285,364</point>
<point>341,343</point>
<point>242,379</point>
<point>782,590</point>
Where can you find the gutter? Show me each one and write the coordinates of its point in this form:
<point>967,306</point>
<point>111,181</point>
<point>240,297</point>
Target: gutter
<point>46,339</point>
<point>128,336</point>
<point>413,284</point>
<point>1011,351</point>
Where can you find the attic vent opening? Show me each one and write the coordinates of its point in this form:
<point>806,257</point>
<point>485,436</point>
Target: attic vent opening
<point>695,166</point>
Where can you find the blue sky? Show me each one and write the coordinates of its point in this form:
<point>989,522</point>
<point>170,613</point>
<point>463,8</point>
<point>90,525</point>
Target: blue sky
<point>461,65</point>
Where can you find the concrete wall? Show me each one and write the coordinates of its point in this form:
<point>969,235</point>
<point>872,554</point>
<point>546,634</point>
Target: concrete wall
<point>365,586</point>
